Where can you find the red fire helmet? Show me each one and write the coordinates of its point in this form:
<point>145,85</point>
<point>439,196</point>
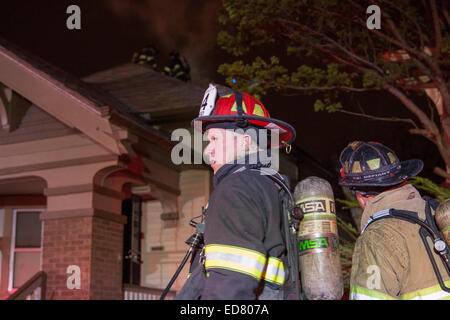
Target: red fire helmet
<point>240,110</point>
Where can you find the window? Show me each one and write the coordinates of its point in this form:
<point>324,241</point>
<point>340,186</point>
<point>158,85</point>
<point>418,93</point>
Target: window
<point>26,247</point>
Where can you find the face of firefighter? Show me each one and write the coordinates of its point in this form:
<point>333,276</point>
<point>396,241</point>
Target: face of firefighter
<point>364,200</point>
<point>226,146</point>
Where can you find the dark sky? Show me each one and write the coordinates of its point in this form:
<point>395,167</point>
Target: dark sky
<point>112,30</point>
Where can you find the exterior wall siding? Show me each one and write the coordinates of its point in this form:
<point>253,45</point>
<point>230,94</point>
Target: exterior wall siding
<point>164,248</point>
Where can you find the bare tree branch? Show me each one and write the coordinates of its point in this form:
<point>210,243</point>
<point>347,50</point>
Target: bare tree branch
<point>331,54</point>
<point>437,28</point>
<point>411,106</point>
<point>421,34</point>
<point>371,45</point>
<point>436,77</point>
<point>371,117</point>
<point>431,109</point>
<point>426,133</point>
<point>441,172</point>
<point>348,51</point>
<point>321,88</point>
<point>445,14</point>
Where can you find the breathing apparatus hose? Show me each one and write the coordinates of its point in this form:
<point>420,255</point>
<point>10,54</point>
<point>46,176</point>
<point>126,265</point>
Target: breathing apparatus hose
<point>439,244</point>
<point>175,276</point>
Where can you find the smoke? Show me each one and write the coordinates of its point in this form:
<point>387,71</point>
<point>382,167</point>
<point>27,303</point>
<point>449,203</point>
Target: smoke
<point>187,26</point>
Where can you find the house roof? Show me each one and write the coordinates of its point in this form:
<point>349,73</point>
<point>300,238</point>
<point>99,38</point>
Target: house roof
<point>121,93</point>
<point>144,90</point>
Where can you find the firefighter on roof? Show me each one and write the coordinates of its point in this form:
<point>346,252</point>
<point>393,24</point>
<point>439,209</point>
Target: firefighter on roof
<point>146,56</point>
<point>178,67</point>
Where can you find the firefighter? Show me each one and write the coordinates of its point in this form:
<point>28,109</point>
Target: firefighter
<point>146,56</point>
<point>390,259</point>
<point>244,245</point>
<point>178,67</point>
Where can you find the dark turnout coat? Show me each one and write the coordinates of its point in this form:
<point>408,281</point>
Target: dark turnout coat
<point>244,244</point>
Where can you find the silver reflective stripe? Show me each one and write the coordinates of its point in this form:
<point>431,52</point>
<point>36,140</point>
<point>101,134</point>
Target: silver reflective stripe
<point>235,258</point>
<point>360,296</point>
<point>239,170</point>
<point>275,271</point>
<point>433,296</point>
<point>246,263</point>
<point>375,216</point>
<point>268,171</point>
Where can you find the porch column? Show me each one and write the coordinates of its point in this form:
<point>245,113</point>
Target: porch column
<point>83,235</point>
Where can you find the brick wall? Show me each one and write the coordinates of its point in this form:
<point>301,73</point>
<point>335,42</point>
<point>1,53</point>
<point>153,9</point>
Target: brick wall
<point>95,245</point>
<point>106,269</point>
<point>67,242</point>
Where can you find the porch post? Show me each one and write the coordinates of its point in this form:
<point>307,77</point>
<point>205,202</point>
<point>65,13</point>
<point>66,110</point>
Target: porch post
<point>83,240</point>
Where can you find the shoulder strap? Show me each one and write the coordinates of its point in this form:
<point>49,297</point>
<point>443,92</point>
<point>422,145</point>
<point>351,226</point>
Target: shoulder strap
<point>431,202</point>
<point>291,288</point>
<point>409,216</point>
<point>404,215</point>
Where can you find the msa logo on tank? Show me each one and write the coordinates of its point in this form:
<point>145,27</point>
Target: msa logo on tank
<point>318,243</point>
<point>318,206</point>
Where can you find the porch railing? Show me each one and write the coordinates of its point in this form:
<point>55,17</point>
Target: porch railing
<point>133,292</point>
<point>33,289</point>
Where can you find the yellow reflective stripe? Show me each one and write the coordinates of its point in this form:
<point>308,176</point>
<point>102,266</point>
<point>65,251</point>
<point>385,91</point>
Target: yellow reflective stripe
<point>432,293</point>
<point>360,293</point>
<point>274,271</point>
<point>189,275</point>
<point>246,261</point>
<point>236,259</point>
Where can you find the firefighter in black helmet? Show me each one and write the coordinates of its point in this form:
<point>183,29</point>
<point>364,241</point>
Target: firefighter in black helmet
<point>146,56</point>
<point>178,67</point>
<point>390,260</point>
<point>244,253</point>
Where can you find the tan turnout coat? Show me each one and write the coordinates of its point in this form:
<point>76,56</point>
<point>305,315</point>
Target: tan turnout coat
<point>390,260</point>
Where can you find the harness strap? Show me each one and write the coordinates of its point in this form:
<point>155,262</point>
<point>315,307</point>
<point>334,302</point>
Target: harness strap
<point>427,228</point>
<point>292,290</point>
<point>409,216</point>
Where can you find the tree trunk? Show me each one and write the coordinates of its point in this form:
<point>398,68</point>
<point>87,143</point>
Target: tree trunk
<point>443,144</point>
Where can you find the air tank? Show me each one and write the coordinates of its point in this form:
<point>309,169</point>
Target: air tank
<point>318,242</point>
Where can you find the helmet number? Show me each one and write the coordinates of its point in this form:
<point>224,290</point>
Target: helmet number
<point>208,102</point>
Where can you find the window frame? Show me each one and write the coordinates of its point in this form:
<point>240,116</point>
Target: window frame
<point>13,248</point>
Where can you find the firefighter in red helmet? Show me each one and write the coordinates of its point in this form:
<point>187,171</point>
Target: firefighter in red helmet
<point>394,258</point>
<point>244,252</point>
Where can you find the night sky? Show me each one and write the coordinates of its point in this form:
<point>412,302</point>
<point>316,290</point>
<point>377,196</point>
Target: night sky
<point>112,30</point>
